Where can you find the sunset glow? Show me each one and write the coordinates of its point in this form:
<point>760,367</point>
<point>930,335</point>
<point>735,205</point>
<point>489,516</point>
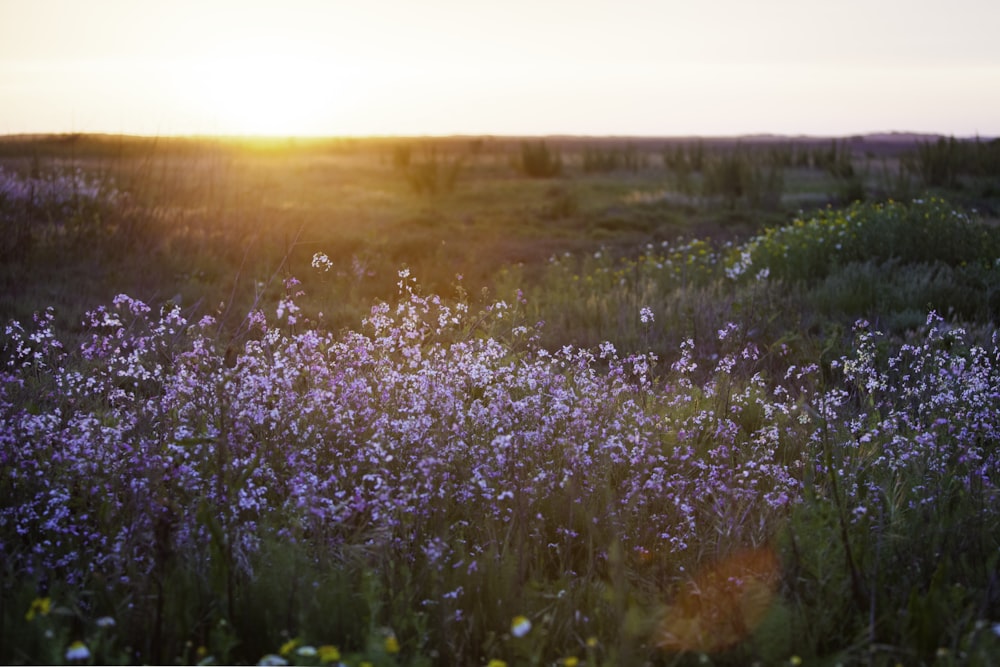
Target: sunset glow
<point>442,67</point>
<point>259,95</point>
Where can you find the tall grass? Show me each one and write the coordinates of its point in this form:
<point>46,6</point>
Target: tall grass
<point>800,283</point>
<point>950,163</point>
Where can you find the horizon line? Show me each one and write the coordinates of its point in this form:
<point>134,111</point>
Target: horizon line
<point>900,134</point>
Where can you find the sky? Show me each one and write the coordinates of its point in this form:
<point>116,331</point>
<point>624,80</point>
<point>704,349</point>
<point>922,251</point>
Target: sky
<point>511,67</point>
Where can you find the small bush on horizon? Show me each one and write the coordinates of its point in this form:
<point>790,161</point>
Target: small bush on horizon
<point>596,159</point>
<point>539,161</point>
<point>737,177</point>
<point>431,175</point>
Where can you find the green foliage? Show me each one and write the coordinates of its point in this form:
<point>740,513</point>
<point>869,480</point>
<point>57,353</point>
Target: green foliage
<point>951,163</point>
<point>598,296</point>
<point>939,163</point>
<point>728,177</point>
<point>890,263</point>
<point>957,165</point>
<point>892,290</point>
<point>919,232</point>
<point>909,578</point>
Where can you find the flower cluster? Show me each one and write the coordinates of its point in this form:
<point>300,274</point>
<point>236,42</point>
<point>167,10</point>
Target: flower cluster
<point>410,430</point>
<point>933,416</point>
<point>422,435</point>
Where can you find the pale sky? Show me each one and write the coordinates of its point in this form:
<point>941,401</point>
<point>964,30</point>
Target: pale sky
<point>511,67</point>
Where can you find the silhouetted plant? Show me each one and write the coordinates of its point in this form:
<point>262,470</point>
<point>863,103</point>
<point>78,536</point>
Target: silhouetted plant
<point>850,186</point>
<point>597,160</point>
<point>726,177</point>
<point>538,161</point>
<point>434,175</point>
<point>942,163</point>
<point>736,177</point>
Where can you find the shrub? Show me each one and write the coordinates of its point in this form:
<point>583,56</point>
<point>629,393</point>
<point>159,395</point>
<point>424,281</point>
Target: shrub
<point>738,177</point>
<point>600,160</point>
<point>433,175</point>
<point>538,161</point>
<point>923,231</point>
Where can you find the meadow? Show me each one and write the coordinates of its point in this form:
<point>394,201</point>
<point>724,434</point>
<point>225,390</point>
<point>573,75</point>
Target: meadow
<point>493,401</point>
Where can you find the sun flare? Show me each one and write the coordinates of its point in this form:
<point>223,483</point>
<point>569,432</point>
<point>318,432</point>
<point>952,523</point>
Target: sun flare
<point>273,96</point>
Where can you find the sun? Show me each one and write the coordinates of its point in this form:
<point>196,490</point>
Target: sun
<point>266,95</point>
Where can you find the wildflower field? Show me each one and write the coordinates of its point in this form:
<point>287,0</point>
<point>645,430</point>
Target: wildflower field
<point>778,448</point>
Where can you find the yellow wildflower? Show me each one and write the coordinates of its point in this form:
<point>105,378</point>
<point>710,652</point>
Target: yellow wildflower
<point>289,646</point>
<point>495,662</point>
<point>329,653</point>
<point>391,644</point>
<point>571,661</point>
<point>39,606</point>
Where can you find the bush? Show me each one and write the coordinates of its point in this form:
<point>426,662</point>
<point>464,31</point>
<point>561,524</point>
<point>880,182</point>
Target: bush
<point>737,177</point>
<point>599,160</point>
<point>433,175</point>
<point>921,232</point>
<point>537,161</point>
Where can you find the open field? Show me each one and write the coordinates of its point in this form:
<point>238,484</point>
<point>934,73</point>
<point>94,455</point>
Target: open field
<point>207,220</point>
<point>500,401</point>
